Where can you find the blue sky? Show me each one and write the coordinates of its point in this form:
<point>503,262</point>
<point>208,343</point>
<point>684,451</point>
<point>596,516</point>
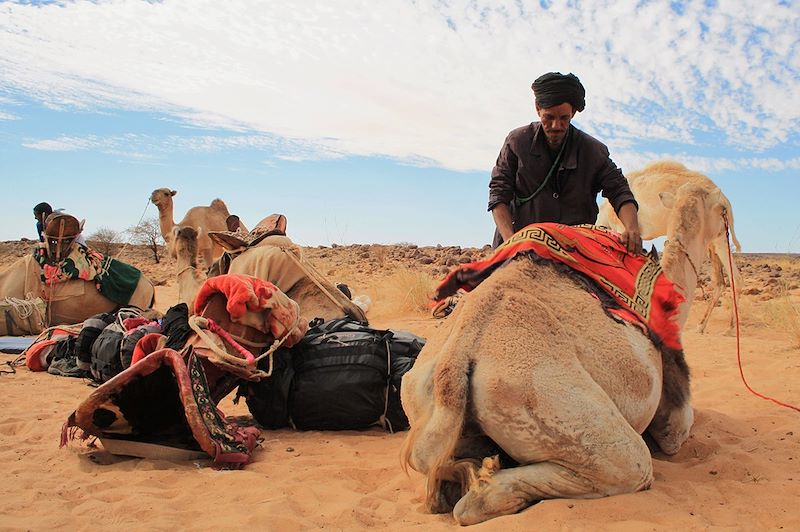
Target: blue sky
<point>379,122</point>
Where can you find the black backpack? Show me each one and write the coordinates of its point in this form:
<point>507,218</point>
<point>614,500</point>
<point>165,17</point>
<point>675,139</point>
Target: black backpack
<point>342,375</point>
<point>91,329</point>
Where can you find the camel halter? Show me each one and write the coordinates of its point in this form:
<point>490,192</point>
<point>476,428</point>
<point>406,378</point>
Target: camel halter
<point>683,250</point>
<point>736,314</point>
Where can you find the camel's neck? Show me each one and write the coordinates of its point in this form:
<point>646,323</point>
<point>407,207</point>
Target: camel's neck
<point>189,283</point>
<point>165,219</point>
<point>681,262</point>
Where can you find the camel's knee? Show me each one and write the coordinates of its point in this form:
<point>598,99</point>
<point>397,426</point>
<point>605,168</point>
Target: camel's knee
<point>627,467</point>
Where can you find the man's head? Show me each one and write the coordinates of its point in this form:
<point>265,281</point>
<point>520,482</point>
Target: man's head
<point>42,211</point>
<point>558,97</point>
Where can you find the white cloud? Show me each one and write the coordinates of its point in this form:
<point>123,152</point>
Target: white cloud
<point>64,143</point>
<point>629,161</point>
<point>439,82</point>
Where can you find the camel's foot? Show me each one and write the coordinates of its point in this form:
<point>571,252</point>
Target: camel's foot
<point>487,498</point>
<point>453,480</point>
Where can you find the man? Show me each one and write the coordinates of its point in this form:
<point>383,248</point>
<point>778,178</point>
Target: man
<point>41,211</point>
<point>550,171</point>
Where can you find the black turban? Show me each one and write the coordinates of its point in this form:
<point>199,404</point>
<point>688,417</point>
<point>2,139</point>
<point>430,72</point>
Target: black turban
<point>42,208</point>
<point>555,88</point>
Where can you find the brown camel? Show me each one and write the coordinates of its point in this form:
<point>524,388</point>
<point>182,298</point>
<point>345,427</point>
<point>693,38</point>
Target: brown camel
<point>530,366</point>
<point>69,302</point>
<point>189,278</point>
<point>201,219</point>
<point>663,176</point>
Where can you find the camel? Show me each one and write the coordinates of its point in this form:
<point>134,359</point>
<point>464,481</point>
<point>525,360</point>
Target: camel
<point>201,219</point>
<point>69,302</point>
<point>530,367</point>
<point>189,278</point>
<point>270,260</point>
<point>647,184</point>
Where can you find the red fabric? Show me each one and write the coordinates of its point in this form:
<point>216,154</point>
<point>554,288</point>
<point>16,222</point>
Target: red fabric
<point>146,345</point>
<point>246,293</point>
<point>636,282</point>
<point>132,323</point>
<point>37,353</point>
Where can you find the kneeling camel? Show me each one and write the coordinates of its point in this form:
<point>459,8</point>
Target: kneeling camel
<point>530,367</point>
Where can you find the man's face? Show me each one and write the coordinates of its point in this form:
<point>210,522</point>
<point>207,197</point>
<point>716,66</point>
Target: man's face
<point>555,122</point>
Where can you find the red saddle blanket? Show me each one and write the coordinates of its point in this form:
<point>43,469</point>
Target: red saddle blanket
<point>636,282</point>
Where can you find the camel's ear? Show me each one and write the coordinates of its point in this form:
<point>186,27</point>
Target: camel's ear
<point>653,254</point>
<point>173,192</point>
<point>667,199</point>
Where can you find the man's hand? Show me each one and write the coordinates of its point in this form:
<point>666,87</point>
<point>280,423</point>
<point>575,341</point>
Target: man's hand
<point>630,219</point>
<point>502,219</point>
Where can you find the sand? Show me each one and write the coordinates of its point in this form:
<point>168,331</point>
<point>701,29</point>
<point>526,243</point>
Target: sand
<point>739,470</point>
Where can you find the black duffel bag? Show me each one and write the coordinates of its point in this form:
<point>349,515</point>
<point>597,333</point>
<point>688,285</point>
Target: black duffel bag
<point>342,375</point>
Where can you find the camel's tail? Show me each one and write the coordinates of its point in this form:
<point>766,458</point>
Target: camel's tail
<point>729,208</point>
<point>220,206</point>
<point>433,441</point>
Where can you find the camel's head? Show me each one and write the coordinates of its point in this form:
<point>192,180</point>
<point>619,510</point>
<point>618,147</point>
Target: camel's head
<point>695,212</point>
<point>185,244</point>
<point>162,196</point>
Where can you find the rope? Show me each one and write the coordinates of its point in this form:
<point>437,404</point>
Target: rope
<point>198,323</point>
<point>738,335</point>
<point>308,269</point>
<point>24,308</point>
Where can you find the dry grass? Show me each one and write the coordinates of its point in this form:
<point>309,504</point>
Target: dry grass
<point>380,254</point>
<point>783,313</point>
<point>408,290</point>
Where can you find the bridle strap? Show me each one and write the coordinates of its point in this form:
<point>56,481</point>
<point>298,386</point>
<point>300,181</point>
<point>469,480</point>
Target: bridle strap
<point>686,254</point>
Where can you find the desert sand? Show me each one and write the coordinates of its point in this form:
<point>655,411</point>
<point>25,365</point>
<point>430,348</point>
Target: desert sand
<point>740,469</point>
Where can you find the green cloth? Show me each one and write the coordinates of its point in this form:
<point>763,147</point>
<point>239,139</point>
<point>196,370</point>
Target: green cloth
<point>119,281</point>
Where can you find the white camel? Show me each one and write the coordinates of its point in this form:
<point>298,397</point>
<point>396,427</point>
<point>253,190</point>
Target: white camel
<point>664,176</point>
<point>201,219</point>
<point>531,367</point>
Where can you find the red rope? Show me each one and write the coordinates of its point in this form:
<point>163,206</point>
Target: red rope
<point>736,314</point>
<point>225,335</point>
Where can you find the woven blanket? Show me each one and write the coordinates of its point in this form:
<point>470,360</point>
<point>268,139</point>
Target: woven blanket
<point>636,282</point>
<point>164,399</point>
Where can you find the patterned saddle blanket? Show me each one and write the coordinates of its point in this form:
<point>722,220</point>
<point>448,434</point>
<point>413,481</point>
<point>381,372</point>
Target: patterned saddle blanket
<point>636,283</point>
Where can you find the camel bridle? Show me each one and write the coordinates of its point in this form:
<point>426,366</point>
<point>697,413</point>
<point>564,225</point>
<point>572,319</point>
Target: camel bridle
<point>683,250</point>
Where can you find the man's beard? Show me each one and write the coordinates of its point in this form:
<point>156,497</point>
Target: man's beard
<point>556,143</point>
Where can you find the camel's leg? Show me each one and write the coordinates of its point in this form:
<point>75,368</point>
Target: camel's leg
<point>612,468</point>
<point>720,247</point>
<point>574,440</point>
<point>718,282</point>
